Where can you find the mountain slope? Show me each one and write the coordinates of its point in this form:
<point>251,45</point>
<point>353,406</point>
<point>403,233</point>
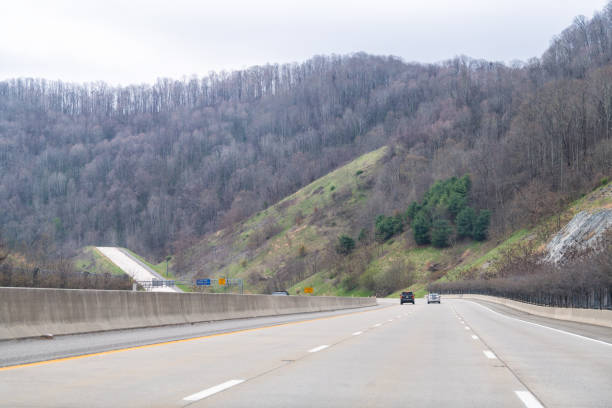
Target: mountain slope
<point>292,245</point>
<point>291,239</point>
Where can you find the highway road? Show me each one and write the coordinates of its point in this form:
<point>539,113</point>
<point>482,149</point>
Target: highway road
<point>459,353</point>
<point>138,270</point>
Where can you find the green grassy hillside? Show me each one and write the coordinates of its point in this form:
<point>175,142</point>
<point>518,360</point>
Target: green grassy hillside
<point>291,245</point>
<point>485,263</point>
<point>290,240</point>
<point>89,259</point>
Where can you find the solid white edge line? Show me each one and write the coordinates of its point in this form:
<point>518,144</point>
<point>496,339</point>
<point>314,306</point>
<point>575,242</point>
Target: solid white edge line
<point>475,337</point>
<point>212,390</point>
<point>528,399</point>
<point>543,326</point>
<point>489,354</point>
<point>314,350</point>
<point>357,333</point>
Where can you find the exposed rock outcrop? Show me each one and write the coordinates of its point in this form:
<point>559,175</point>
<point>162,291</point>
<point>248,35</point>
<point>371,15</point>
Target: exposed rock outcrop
<point>585,231</point>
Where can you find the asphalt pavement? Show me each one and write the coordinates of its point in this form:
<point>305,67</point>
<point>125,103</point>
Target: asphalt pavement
<point>459,353</point>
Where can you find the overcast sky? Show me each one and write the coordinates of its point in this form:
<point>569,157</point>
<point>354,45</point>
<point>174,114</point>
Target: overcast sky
<point>135,41</point>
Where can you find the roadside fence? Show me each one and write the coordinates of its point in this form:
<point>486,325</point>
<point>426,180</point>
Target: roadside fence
<point>591,298</point>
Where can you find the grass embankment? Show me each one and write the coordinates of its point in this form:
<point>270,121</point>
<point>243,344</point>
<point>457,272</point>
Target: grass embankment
<point>482,257</point>
<point>91,260</point>
<point>300,226</point>
<point>538,235</point>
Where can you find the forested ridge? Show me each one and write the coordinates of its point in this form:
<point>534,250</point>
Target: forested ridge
<point>152,166</point>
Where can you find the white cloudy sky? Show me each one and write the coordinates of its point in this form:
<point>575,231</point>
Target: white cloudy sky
<point>133,41</point>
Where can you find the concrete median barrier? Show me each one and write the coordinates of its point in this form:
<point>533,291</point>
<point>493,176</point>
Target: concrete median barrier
<point>589,316</point>
<point>32,312</point>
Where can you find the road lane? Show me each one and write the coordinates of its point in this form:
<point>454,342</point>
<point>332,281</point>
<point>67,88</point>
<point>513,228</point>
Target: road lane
<point>13,352</point>
<point>164,375</point>
<point>562,370</point>
<point>425,358</point>
<point>392,356</point>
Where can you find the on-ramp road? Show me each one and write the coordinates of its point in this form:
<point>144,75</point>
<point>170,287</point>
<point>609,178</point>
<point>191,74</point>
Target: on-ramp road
<point>135,268</point>
<point>457,354</point>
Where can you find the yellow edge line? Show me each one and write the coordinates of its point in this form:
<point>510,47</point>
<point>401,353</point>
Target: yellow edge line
<point>102,353</point>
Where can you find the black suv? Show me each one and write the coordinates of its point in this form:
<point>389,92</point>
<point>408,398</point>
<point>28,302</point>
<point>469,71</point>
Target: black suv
<point>407,297</point>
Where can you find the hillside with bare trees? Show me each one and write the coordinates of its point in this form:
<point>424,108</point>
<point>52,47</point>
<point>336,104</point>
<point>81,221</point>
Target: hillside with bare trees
<point>155,167</point>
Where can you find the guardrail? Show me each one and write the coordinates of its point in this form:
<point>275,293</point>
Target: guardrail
<point>600,299</point>
<point>156,283</point>
<point>599,317</point>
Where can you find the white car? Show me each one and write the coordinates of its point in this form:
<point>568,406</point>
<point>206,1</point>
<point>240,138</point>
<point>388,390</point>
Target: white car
<point>433,298</point>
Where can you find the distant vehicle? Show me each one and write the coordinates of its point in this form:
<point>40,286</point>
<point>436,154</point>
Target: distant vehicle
<point>280,293</point>
<point>407,297</point>
<point>433,298</point>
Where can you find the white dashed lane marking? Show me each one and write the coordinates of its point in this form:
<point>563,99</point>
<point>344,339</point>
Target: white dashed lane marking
<point>314,350</point>
<point>528,399</point>
<point>212,390</point>
<point>489,354</point>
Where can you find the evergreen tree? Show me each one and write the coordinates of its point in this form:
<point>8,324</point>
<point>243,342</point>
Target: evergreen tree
<point>481,225</point>
<point>420,228</point>
<point>456,203</point>
<point>440,233</point>
<point>465,222</point>
<point>412,211</point>
<point>345,245</point>
<point>386,227</point>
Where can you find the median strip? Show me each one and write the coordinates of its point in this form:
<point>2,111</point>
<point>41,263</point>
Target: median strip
<point>528,399</point>
<point>212,390</point>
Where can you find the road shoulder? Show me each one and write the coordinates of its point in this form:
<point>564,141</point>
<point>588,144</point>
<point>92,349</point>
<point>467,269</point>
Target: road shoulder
<point>600,333</point>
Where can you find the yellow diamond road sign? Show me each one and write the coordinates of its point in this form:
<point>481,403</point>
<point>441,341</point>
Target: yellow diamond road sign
<point>308,290</point>
<point>221,281</point>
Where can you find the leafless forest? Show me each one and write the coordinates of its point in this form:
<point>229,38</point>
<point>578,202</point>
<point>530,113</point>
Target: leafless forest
<point>152,166</point>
